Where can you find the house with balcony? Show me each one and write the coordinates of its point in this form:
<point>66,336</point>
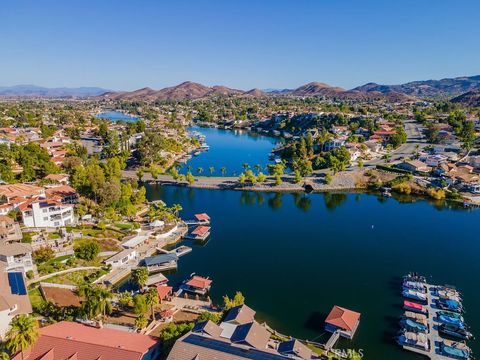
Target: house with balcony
<point>16,257</point>
<point>9,230</point>
<point>43,213</point>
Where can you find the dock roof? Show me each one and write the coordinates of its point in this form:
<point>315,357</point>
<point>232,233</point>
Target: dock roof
<point>199,282</point>
<point>201,230</point>
<point>343,318</point>
<point>202,217</point>
<point>160,259</point>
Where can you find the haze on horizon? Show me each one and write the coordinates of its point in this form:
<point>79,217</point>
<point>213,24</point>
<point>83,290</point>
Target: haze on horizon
<point>126,45</point>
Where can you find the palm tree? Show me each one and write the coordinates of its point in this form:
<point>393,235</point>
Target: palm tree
<point>140,322</point>
<point>23,333</point>
<point>140,276</point>
<point>97,300</point>
<point>258,167</point>
<point>223,170</point>
<point>200,170</point>
<point>4,356</point>
<point>211,169</point>
<point>246,166</point>
<point>152,299</point>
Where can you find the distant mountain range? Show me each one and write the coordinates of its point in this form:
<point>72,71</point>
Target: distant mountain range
<point>471,98</point>
<point>39,91</point>
<point>444,88</point>
<point>189,90</point>
<point>429,88</point>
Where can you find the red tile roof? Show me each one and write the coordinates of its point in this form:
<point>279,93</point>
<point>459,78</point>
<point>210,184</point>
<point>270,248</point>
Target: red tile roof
<point>201,230</point>
<point>163,291</point>
<point>202,216</point>
<point>199,282</point>
<point>68,340</point>
<point>343,318</point>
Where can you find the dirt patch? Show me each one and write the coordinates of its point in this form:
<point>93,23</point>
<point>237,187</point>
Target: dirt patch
<point>61,297</point>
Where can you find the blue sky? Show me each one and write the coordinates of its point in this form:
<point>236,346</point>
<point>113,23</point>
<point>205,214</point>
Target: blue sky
<point>122,44</point>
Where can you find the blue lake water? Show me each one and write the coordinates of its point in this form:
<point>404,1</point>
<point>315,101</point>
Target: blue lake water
<point>113,115</point>
<point>231,149</point>
<point>294,256</point>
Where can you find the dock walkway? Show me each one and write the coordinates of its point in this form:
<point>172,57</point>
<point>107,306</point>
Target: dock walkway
<point>433,335</point>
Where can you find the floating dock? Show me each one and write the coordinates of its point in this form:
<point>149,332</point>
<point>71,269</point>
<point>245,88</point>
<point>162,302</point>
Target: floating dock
<point>435,341</point>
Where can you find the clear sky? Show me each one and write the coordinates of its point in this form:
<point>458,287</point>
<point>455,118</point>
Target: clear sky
<point>122,44</point>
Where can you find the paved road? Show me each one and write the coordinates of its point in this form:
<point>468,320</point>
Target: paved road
<point>415,138</point>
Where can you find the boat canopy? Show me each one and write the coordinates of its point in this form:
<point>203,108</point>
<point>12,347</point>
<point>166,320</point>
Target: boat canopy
<point>412,305</point>
<point>414,325</point>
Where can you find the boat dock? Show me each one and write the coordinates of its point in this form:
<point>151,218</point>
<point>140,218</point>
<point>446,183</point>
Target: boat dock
<point>435,340</point>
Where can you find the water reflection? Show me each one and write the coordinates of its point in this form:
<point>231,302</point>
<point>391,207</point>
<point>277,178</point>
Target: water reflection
<point>302,201</point>
<point>275,202</point>
<point>334,200</point>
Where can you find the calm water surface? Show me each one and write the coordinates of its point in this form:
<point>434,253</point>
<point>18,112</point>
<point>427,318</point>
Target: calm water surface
<point>295,256</point>
<point>231,149</point>
<point>116,116</point>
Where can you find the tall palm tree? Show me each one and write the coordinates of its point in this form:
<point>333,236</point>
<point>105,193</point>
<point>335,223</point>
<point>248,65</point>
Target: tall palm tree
<point>211,169</point>
<point>200,170</point>
<point>223,170</point>
<point>246,166</point>
<point>4,356</point>
<point>152,299</point>
<point>140,276</point>
<point>23,333</point>
<point>97,300</point>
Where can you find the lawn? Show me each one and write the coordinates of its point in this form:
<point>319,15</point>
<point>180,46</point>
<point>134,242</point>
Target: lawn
<point>73,278</point>
<point>36,297</point>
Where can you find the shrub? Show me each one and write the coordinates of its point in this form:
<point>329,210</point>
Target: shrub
<point>87,250</point>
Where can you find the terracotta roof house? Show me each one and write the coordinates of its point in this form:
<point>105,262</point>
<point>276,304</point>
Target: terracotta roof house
<point>68,340</point>
<point>63,193</point>
<point>415,166</point>
<point>239,315</point>
<point>23,191</point>
<point>61,178</point>
<point>343,320</point>
<point>13,300</point>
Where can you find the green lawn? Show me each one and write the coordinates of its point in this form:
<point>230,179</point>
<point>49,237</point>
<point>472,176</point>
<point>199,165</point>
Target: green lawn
<point>36,297</point>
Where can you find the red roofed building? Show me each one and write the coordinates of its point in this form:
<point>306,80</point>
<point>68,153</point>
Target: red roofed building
<point>343,320</point>
<point>69,340</point>
<point>203,218</point>
<point>163,291</point>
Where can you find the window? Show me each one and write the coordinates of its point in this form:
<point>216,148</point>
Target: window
<point>56,223</point>
<point>45,218</point>
<point>44,210</point>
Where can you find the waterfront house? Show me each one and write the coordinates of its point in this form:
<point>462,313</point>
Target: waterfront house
<point>134,241</point>
<point>343,321</point>
<point>16,257</point>
<point>14,299</point>
<point>239,315</point>
<point>121,258</point>
<point>161,262</point>
<point>251,334</point>
<point>69,340</point>
<point>295,348</point>
<point>200,233</point>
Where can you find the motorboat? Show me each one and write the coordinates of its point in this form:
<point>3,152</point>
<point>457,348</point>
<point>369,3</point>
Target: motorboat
<point>419,341</point>
<point>415,277</point>
<point>450,314</point>
<point>445,319</point>
<point>415,285</point>
<point>414,295</point>
<point>450,305</point>
<point>418,308</point>
<point>455,331</point>
<point>413,326</point>
<point>455,350</point>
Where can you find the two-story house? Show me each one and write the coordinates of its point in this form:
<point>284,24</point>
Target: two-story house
<point>43,213</point>
<point>16,257</point>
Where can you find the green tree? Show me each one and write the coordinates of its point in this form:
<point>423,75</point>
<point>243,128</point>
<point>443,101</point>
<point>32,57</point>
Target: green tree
<point>43,254</point>
<point>190,178</point>
<point>328,179</point>
<point>468,135</point>
<point>87,250</point>
<point>140,276</point>
<point>125,299</point>
<point>4,355</point>
<point>228,303</point>
<point>97,300</point>
<point>140,304</point>
<point>141,322</point>
<point>151,299</point>
<point>242,178</point>
<point>298,177</point>
<point>22,334</point>
<point>223,170</point>
<point>211,170</point>
<point>261,177</point>
<point>199,170</point>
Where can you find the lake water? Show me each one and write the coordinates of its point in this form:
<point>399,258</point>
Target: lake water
<point>113,115</point>
<point>231,149</point>
<point>294,256</point>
